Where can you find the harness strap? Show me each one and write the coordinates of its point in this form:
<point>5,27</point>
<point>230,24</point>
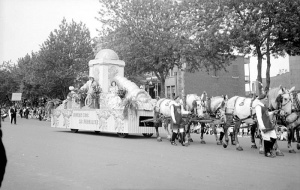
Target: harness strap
<point>251,108</point>
<point>296,100</point>
<point>209,105</point>
<point>235,102</point>
<point>163,99</point>
<point>252,116</point>
<point>233,107</point>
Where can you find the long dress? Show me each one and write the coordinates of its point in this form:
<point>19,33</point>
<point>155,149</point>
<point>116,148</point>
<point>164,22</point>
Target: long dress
<point>114,101</point>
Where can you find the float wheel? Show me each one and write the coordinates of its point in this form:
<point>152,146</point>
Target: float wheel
<point>122,135</point>
<point>148,135</point>
<point>74,130</point>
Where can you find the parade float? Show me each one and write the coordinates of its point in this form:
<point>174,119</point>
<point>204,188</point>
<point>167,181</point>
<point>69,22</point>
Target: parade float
<point>112,103</point>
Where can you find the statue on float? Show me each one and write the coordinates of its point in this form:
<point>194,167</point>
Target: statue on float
<point>92,90</point>
<point>113,98</point>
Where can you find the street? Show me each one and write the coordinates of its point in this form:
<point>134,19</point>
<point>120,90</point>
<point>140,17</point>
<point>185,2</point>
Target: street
<point>41,157</point>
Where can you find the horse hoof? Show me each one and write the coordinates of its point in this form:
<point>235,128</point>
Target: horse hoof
<point>159,139</point>
<point>279,153</point>
<point>219,143</point>
<point>233,143</point>
<point>292,151</point>
<point>191,140</point>
<point>184,144</point>
<point>239,148</point>
<point>261,152</point>
<point>224,145</point>
<point>202,142</point>
<point>254,146</point>
<point>298,146</point>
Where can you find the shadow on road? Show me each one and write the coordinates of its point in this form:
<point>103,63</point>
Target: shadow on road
<point>106,134</point>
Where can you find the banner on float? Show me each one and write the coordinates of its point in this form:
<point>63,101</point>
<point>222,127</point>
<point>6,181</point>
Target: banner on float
<point>85,120</point>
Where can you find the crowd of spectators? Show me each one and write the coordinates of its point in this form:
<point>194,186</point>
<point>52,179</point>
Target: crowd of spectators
<point>25,112</point>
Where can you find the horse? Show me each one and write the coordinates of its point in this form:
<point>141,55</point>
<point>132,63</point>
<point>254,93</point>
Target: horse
<point>288,101</point>
<point>242,110</point>
<point>162,112</point>
<point>214,113</point>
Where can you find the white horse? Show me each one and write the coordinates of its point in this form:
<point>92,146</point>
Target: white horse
<point>214,113</point>
<point>238,110</point>
<point>288,101</point>
<point>162,113</point>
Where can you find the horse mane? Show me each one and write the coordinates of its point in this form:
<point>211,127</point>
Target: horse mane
<point>215,105</point>
<point>274,97</point>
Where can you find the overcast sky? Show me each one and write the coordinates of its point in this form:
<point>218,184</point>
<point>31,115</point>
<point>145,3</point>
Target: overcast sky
<point>26,24</point>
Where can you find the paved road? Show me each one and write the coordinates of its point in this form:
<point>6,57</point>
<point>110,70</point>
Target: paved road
<point>41,157</point>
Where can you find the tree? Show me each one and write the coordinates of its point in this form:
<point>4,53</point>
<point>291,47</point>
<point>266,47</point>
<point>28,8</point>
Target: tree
<point>26,75</point>
<point>251,27</point>
<point>8,83</point>
<point>256,27</point>
<point>152,36</point>
<point>62,58</point>
<point>287,21</point>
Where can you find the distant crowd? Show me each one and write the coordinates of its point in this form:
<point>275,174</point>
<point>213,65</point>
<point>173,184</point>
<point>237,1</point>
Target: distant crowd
<point>24,112</point>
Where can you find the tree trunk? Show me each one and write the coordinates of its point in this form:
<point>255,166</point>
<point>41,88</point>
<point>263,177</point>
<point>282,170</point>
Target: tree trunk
<point>179,83</point>
<point>259,64</point>
<point>183,96</point>
<point>162,87</point>
<point>268,66</point>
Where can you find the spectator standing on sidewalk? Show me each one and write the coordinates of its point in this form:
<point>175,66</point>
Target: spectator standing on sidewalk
<point>13,113</point>
<point>26,113</point>
<point>21,112</point>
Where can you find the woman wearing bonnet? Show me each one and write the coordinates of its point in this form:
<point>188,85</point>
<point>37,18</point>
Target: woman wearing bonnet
<point>114,101</point>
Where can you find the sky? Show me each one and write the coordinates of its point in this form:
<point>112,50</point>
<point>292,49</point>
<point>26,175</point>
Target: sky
<point>26,24</point>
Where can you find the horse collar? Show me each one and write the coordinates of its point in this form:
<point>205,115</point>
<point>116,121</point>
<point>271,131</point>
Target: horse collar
<point>209,105</point>
<point>251,108</point>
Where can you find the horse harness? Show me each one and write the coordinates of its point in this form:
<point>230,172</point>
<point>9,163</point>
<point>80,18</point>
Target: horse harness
<point>296,101</point>
<point>209,111</point>
<point>252,116</point>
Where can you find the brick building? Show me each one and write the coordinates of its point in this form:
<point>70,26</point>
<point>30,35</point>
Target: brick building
<point>230,82</point>
<point>287,79</point>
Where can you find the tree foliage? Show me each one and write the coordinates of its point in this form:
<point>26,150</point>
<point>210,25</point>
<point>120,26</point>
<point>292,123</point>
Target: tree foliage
<point>254,27</point>
<point>63,59</point>
<point>287,20</point>
<point>8,82</point>
<point>153,36</point>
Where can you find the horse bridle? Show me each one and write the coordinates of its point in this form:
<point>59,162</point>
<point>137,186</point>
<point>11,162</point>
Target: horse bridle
<point>281,100</point>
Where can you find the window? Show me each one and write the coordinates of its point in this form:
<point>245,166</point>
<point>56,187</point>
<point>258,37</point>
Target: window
<point>173,93</point>
<point>168,92</point>
<point>171,73</point>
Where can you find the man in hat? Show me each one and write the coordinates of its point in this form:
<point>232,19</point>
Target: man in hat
<point>266,125</point>
<point>89,87</point>
<point>13,113</point>
<point>177,123</point>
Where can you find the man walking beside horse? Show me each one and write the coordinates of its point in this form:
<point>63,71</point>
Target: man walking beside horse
<point>266,126</point>
<point>177,121</point>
